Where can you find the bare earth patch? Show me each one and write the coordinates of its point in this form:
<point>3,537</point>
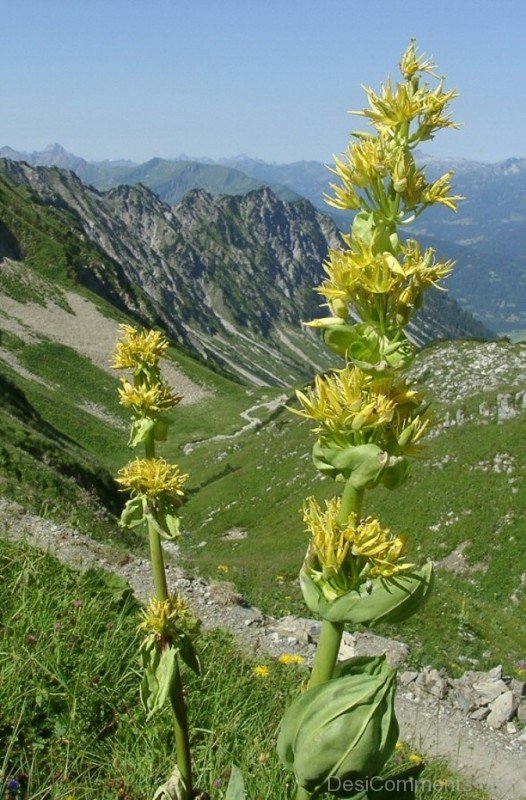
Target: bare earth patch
<point>9,358</point>
<point>88,332</point>
<point>457,562</point>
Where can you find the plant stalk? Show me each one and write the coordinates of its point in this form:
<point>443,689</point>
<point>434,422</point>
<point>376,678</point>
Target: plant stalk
<point>332,632</point>
<point>180,720</point>
<point>182,739</point>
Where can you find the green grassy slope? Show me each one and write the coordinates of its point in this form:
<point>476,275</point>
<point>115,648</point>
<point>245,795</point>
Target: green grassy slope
<point>461,494</point>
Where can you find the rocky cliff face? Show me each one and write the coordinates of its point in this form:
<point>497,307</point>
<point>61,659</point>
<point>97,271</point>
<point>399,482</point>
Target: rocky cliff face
<point>230,277</point>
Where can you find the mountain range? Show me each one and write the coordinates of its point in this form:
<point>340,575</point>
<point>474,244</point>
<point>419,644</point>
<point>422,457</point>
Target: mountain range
<point>487,236</point>
<point>229,277</point>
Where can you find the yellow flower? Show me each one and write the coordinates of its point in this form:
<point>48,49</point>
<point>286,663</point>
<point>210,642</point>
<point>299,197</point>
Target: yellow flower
<point>328,540</point>
<point>290,658</point>
<point>353,549</point>
<point>384,551</point>
<point>223,568</point>
<point>143,399</point>
<point>261,671</point>
<point>393,107</point>
<point>348,400</point>
<point>438,192</point>
<point>138,348</point>
<point>411,63</point>
<point>415,758</point>
<point>152,477</point>
<point>166,618</point>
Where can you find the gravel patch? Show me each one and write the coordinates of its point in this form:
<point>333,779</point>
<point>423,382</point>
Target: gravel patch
<point>88,332</point>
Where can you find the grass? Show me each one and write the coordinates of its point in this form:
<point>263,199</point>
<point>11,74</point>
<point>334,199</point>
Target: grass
<point>70,721</point>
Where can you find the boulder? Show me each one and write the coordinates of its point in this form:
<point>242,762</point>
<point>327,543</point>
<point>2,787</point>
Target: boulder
<point>502,710</point>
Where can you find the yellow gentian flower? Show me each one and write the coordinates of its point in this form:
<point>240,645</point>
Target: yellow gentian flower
<point>152,477</point>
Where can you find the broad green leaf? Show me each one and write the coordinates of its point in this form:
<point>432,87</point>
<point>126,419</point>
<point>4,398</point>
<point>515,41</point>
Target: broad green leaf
<point>132,514</point>
<point>190,656</point>
<point>385,600</point>
<point>236,785</point>
<point>139,430</point>
<point>343,728</point>
<point>160,668</point>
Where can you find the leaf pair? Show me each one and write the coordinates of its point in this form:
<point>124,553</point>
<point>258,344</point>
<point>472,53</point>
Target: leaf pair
<point>389,600</point>
<point>369,349</point>
<point>163,516</point>
<point>161,668</point>
<point>365,465</point>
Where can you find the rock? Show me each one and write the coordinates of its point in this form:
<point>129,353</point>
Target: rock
<point>521,712</point>
<point>479,714</point>
<point>235,535</point>
<point>502,710</point>
<point>463,700</point>
<point>488,691</point>
<point>518,688</point>
<point>346,651</point>
<point>408,677</point>
<point>511,728</point>
<point>303,630</point>
<point>223,593</point>
<point>494,674</point>
<point>369,644</point>
<point>433,682</point>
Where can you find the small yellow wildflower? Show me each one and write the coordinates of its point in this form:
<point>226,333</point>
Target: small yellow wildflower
<point>144,399</point>
<point>400,746</point>
<point>223,568</point>
<point>138,348</point>
<point>290,658</point>
<point>261,671</point>
<point>281,578</point>
<point>152,477</point>
<point>415,758</point>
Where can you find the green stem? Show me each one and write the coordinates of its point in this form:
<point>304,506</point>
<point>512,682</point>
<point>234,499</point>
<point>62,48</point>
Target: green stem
<point>180,721</point>
<point>157,559</point>
<point>326,652</point>
<point>331,632</point>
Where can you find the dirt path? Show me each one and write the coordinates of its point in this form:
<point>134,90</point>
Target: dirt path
<point>490,759</point>
<point>247,415</point>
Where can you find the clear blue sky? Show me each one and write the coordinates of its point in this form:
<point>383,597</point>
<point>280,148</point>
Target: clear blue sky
<point>270,78</point>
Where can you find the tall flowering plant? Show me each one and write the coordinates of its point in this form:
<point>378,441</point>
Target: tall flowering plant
<point>156,489</point>
<point>339,735</point>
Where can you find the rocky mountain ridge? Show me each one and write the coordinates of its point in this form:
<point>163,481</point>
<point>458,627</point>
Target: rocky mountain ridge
<point>487,236</point>
<point>229,277</point>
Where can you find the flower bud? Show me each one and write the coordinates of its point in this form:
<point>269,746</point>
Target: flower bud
<point>345,729</point>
